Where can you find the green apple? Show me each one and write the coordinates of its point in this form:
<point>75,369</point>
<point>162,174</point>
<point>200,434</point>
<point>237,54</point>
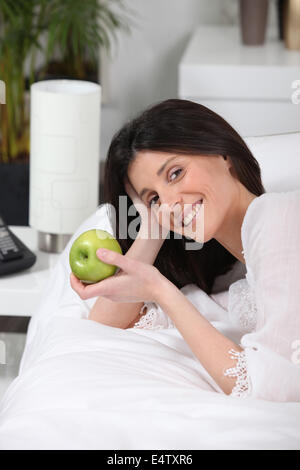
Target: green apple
<point>84,261</point>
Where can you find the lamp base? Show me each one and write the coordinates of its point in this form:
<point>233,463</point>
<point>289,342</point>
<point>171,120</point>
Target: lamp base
<point>51,242</point>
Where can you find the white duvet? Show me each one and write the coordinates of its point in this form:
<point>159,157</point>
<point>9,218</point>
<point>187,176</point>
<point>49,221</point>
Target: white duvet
<point>83,385</point>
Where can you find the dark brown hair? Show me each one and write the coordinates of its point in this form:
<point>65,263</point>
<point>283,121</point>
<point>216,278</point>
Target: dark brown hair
<point>184,127</point>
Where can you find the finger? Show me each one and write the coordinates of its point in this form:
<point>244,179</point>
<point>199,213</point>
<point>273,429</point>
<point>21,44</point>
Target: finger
<point>74,281</point>
<point>86,291</point>
<point>105,288</point>
<point>77,285</point>
<point>116,259</point>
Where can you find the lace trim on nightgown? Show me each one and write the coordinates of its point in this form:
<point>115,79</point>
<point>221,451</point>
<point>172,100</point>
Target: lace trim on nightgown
<point>242,312</point>
<point>154,319</point>
<point>242,306</point>
<point>242,388</point>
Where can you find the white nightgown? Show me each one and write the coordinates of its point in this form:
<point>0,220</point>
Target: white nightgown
<point>265,305</point>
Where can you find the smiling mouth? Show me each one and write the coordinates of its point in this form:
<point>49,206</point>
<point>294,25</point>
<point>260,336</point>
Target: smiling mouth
<point>189,217</point>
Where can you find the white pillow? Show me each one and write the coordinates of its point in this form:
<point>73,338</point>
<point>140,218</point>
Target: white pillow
<point>279,160</point>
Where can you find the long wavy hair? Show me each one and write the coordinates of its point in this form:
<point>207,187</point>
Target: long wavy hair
<point>188,128</point>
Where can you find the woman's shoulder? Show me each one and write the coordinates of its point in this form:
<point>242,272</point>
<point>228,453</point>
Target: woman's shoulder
<point>267,204</point>
<point>273,202</point>
<point>269,216</point>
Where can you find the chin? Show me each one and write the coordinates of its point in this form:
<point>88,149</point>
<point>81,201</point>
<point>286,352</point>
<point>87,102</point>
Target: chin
<point>201,238</point>
<point>196,236</point>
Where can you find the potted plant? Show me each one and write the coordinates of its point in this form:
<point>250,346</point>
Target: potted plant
<point>75,31</point>
<point>72,33</point>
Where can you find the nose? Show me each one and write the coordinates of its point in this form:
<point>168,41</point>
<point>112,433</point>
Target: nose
<point>171,203</point>
<point>169,200</point>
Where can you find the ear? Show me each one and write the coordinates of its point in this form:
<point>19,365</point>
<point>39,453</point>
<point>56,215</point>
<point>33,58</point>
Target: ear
<point>228,161</point>
<point>230,165</point>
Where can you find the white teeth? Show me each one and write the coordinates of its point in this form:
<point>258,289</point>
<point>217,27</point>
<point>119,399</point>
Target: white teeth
<point>187,220</point>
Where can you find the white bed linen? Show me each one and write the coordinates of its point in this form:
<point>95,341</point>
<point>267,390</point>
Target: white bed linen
<point>83,385</point>
<point>89,386</point>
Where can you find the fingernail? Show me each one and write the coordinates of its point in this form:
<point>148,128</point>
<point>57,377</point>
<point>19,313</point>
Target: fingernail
<point>102,252</point>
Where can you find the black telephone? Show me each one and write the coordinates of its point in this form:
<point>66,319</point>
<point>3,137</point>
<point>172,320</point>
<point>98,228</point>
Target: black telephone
<point>14,255</point>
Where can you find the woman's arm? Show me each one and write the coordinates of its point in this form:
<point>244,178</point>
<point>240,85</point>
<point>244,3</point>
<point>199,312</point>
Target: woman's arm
<point>145,248</point>
<point>120,314</point>
<point>139,282</point>
<point>208,344</point>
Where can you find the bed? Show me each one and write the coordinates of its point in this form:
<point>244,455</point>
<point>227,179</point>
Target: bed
<point>84,385</point>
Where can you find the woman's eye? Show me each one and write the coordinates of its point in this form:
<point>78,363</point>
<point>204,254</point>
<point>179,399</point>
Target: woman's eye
<point>151,200</point>
<point>175,173</point>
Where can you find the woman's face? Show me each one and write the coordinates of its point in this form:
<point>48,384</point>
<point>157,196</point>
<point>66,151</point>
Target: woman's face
<point>164,178</point>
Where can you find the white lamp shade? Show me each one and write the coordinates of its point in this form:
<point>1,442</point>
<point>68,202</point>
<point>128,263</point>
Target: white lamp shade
<point>64,154</point>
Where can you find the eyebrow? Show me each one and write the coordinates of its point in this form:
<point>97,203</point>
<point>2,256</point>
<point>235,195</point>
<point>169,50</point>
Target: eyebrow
<point>159,172</point>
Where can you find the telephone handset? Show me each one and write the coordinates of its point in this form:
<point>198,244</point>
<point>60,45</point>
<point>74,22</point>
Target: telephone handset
<point>14,255</point>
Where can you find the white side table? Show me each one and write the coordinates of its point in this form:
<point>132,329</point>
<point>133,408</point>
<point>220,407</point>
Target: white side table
<point>250,86</point>
<point>20,292</point>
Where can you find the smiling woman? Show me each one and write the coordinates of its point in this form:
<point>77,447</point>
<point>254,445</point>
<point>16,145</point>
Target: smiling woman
<point>180,162</point>
<point>179,152</point>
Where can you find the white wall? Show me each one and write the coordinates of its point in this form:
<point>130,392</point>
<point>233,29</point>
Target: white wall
<point>142,68</point>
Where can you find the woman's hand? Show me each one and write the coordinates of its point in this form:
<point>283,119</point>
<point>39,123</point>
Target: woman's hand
<point>135,282</point>
<point>154,223</point>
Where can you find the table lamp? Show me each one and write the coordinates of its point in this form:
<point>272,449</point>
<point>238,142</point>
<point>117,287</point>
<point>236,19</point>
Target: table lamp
<point>64,158</point>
